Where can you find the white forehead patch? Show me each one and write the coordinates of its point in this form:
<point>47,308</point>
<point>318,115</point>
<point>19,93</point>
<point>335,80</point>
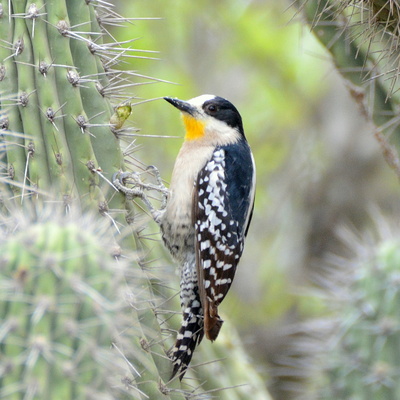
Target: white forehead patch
<point>200,100</point>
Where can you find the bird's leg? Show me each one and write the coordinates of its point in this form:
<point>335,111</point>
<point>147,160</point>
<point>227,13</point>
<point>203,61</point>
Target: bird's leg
<point>137,188</point>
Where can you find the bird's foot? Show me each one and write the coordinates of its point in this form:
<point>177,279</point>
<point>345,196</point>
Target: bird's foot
<point>133,187</point>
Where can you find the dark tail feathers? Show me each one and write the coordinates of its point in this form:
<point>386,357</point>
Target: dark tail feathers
<point>189,336</point>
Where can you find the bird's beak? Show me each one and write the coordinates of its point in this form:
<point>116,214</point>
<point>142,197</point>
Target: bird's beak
<point>182,106</point>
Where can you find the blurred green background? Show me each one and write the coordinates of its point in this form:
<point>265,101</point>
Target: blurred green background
<point>318,166</point>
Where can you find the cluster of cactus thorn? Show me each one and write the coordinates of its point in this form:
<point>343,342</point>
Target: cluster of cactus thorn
<point>352,352</point>
<point>64,315</point>
<point>81,314</point>
<point>362,359</point>
<point>363,40</point>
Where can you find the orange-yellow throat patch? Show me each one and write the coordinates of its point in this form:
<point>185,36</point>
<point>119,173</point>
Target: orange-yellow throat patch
<point>194,128</point>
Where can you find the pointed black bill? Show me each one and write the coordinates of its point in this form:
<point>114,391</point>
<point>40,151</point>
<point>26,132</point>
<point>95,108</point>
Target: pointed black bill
<point>182,106</point>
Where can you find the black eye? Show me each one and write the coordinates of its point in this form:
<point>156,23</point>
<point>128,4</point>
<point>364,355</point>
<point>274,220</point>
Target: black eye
<point>212,108</point>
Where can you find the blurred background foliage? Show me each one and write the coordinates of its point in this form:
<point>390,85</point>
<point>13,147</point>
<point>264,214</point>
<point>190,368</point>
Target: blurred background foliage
<point>318,166</point>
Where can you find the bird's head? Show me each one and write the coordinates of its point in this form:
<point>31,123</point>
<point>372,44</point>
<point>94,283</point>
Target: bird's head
<point>209,116</point>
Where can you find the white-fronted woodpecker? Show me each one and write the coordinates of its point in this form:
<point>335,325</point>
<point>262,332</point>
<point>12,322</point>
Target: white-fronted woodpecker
<point>207,215</point>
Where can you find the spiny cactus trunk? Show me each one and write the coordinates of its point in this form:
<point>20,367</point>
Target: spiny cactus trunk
<point>71,328</point>
<point>62,306</point>
<point>365,363</point>
<point>363,39</point>
<point>57,78</point>
<point>79,322</point>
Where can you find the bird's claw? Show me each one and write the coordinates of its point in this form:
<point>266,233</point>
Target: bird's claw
<point>137,188</point>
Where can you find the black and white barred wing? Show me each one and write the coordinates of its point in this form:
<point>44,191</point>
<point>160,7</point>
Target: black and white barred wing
<point>222,210</point>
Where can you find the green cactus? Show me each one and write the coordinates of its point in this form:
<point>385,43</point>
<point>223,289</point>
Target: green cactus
<point>363,362</point>
<point>56,84</point>
<point>362,38</point>
<point>62,307</point>
<point>77,321</point>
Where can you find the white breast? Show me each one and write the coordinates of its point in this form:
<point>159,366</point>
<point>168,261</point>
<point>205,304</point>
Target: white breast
<point>190,161</point>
